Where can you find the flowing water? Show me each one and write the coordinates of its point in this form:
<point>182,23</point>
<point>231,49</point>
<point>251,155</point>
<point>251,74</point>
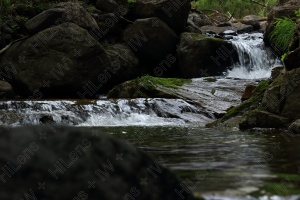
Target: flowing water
<point>214,164</point>
<point>255,60</point>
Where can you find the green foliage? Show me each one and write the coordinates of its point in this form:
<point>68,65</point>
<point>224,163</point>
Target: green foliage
<point>283,32</point>
<point>239,8</point>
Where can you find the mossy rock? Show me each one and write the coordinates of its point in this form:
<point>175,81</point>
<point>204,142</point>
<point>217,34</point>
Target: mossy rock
<point>148,86</point>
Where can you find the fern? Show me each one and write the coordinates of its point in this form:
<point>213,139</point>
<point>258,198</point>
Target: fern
<point>282,34</point>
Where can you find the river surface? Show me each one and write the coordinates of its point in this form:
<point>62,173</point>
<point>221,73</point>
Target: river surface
<point>223,165</point>
<point>215,164</point>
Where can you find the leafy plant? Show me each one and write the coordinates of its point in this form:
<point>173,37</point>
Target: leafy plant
<point>282,33</point>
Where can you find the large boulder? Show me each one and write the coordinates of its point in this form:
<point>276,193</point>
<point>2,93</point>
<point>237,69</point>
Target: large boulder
<point>61,13</point>
<point>52,163</point>
<point>173,13</point>
<point>200,55</point>
<point>59,62</point>
<point>124,63</point>
<point>111,6</point>
<point>150,39</point>
<point>282,96</point>
<point>285,9</point>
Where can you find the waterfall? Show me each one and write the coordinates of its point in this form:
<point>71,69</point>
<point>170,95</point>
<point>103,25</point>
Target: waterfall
<point>255,60</point>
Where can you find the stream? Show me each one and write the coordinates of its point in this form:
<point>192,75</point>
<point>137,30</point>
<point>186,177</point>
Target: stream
<point>216,164</point>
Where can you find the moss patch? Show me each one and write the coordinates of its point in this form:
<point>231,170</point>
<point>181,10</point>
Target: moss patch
<point>210,79</point>
<point>166,82</point>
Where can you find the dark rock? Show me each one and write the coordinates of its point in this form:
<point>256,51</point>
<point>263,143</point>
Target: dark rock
<point>263,119</point>
<point>61,13</point>
<point>277,71</point>
<point>173,13</point>
<point>73,163</point>
<point>124,63</point>
<point>224,24</point>
<point>295,127</point>
<point>199,55</point>
<point>282,96</point>
<point>199,19</point>
<point>57,62</point>
<point>150,39</point>
<point>109,24</point>
<point>6,90</point>
<point>248,93</point>
<point>111,6</point>
<point>292,59</point>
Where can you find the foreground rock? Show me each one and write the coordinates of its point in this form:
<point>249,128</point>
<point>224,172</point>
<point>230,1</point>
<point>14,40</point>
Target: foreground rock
<point>173,13</point>
<point>200,55</point>
<point>73,163</point>
<point>61,13</point>
<point>58,62</point>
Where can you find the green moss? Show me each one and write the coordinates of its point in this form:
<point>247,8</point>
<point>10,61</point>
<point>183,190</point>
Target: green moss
<point>252,102</point>
<point>210,79</point>
<point>151,82</point>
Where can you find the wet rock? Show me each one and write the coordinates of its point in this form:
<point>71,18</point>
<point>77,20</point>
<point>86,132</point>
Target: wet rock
<point>57,62</point>
<point>6,90</point>
<point>248,93</point>
<point>111,6</point>
<point>295,127</point>
<point>199,55</point>
<point>46,119</point>
<point>150,39</point>
<point>111,168</point>
<point>61,13</point>
<point>263,119</point>
<point>237,27</point>
<point>251,18</point>
<point>173,13</point>
<point>146,87</point>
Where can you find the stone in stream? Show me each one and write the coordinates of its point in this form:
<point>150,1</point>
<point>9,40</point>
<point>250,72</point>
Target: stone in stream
<point>199,55</point>
<point>51,163</point>
<point>61,13</point>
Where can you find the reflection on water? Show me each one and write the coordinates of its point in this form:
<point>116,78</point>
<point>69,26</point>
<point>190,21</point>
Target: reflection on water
<point>223,163</point>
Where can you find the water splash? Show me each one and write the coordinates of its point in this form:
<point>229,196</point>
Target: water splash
<point>255,60</point>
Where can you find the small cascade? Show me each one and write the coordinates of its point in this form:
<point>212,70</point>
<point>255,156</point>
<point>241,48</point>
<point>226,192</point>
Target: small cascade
<point>121,112</point>
<point>255,61</point>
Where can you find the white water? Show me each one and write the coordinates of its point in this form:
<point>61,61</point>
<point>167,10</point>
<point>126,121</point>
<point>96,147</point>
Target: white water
<point>256,61</point>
